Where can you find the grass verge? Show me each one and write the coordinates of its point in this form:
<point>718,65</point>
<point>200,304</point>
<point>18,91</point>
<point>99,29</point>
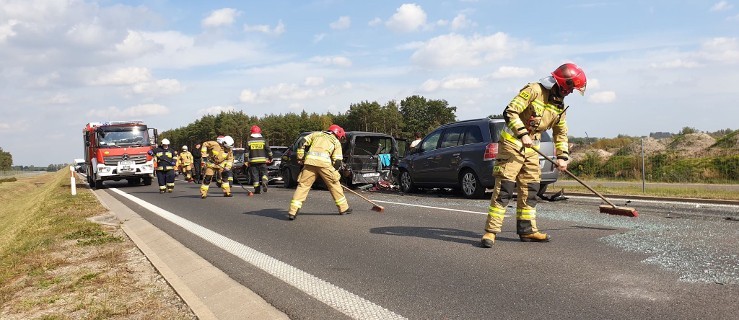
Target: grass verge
<point>651,191</point>
<point>56,264</point>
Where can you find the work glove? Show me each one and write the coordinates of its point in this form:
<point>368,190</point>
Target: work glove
<point>338,164</point>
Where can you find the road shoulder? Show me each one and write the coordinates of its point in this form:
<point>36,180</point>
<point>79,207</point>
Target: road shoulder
<point>209,292</point>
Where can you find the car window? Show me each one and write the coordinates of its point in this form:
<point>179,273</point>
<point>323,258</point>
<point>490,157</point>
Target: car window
<point>473,135</point>
<point>545,137</point>
<point>495,129</point>
<point>431,141</point>
<point>452,137</point>
<point>371,145</point>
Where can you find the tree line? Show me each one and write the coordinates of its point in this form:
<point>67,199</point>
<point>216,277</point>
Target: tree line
<point>399,119</point>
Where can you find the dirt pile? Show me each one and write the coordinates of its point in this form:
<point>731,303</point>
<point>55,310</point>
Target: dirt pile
<point>651,147</point>
<point>692,144</point>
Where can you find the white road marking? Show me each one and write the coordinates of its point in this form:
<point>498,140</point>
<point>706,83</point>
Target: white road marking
<point>342,300</point>
<point>429,207</point>
<point>684,203</point>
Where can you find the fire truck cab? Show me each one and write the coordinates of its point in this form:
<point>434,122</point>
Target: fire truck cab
<point>117,150</point>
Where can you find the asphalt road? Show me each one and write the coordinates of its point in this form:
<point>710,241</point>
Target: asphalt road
<point>421,258</point>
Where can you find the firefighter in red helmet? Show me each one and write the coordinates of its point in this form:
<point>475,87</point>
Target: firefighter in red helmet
<point>323,158</point>
<point>538,107</point>
<point>258,155</point>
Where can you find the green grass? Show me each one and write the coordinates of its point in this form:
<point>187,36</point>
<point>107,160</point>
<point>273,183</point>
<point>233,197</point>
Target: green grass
<point>652,191</point>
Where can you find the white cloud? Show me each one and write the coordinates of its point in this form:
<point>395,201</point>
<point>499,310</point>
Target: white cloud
<point>505,72</point>
<point>723,50</point>
<point>282,91</point>
<point>721,6</point>
<point>674,64</point>
<point>220,17</point>
<point>159,87</point>
<point>602,97</point>
<point>452,83</point>
<point>136,43</point>
<point>59,98</point>
<point>344,22</point>
<point>593,84</point>
<point>313,81</point>
<point>6,30</point>
<point>319,37</point>
<point>142,110</point>
<point>277,30</point>
<point>124,76</point>
<point>454,50</point>
<point>407,18</point>
<point>374,22</point>
<point>461,22</point>
<point>335,60</point>
<point>216,110</point>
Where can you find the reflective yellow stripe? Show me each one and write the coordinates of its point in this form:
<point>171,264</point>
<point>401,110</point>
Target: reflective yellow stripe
<point>526,214</point>
<point>506,135</point>
<point>296,203</point>
<point>319,154</point>
<point>322,159</point>
<point>341,201</point>
<point>204,187</point>
<point>562,146</point>
<point>518,103</point>
<point>496,212</point>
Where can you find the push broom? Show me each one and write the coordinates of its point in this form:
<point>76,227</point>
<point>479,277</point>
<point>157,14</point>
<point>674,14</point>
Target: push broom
<point>375,206</point>
<point>610,208</point>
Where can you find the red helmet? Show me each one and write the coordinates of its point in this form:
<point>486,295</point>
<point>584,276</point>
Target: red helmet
<point>256,129</point>
<point>569,77</point>
<point>337,131</point>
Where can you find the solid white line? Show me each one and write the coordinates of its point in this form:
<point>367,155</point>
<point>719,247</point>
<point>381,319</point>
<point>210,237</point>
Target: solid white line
<point>429,207</point>
<point>342,300</point>
<point>685,203</point>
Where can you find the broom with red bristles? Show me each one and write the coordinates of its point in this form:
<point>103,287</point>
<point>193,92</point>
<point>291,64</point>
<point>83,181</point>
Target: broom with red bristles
<point>610,208</point>
<point>375,207</point>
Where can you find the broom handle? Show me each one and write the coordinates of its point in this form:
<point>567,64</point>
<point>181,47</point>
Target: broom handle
<point>574,177</point>
<point>359,195</point>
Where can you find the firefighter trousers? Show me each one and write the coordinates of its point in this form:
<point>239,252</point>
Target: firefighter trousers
<point>225,179</point>
<point>165,179</point>
<point>258,174</point>
<point>306,178</point>
<point>513,168</point>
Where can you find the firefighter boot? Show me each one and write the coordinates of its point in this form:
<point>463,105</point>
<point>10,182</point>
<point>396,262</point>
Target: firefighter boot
<point>257,189</point>
<point>347,211</point>
<point>203,191</point>
<point>162,189</point>
<point>292,216</point>
<point>488,239</point>
<point>534,237</point>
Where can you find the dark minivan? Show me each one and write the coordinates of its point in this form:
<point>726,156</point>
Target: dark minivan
<point>461,155</point>
<point>368,157</point>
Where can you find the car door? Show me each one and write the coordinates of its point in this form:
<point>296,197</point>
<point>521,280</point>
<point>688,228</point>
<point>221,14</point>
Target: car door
<point>424,161</point>
<point>448,155</point>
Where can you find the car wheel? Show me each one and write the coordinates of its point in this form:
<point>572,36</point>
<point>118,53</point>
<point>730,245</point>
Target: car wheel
<point>406,182</point>
<point>470,185</point>
<point>147,181</point>
<point>287,177</point>
<point>98,184</point>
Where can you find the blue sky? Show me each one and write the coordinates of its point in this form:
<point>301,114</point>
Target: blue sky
<point>651,65</point>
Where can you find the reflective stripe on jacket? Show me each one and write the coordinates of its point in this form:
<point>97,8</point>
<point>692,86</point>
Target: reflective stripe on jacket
<point>257,150</point>
<point>324,149</point>
<point>215,156</point>
<point>535,110</point>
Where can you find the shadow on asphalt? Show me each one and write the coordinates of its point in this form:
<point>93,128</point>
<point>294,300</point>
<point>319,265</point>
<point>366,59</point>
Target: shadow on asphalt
<point>442,234</point>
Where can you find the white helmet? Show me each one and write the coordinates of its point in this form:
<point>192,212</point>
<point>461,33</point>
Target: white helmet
<point>184,148</point>
<point>227,142</point>
<point>165,141</point>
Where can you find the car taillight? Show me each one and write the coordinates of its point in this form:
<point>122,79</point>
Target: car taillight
<point>491,152</point>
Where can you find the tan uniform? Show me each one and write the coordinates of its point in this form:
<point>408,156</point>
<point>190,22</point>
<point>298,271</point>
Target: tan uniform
<point>218,161</point>
<point>324,151</point>
<point>534,110</point>
<point>184,160</point>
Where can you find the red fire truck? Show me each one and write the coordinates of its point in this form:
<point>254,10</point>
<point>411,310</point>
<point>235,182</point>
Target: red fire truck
<point>117,150</point>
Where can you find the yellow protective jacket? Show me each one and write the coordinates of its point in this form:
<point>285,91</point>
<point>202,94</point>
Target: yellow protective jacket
<point>534,110</point>
<point>215,156</point>
<point>185,159</point>
<point>324,149</point>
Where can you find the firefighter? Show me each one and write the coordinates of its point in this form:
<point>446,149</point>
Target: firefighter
<point>258,155</point>
<point>164,157</point>
<point>538,107</point>
<point>197,160</point>
<point>185,162</point>
<point>219,159</point>
<point>324,158</point>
